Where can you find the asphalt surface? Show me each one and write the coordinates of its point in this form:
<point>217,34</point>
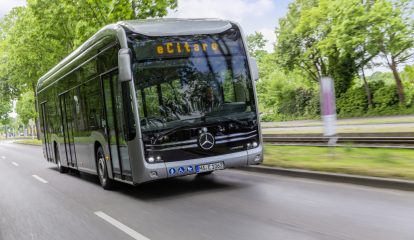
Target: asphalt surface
<point>230,204</point>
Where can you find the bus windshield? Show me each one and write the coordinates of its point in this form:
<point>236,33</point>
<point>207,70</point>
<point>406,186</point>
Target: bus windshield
<point>187,80</point>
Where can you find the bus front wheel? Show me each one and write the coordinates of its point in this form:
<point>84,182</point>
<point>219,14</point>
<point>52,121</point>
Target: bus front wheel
<point>106,183</point>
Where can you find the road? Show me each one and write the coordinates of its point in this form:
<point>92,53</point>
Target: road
<point>37,202</point>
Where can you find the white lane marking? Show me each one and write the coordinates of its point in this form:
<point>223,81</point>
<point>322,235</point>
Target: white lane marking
<point>15,164</point>
<point>39,179</point>
<point>3,157</point>
<point>121,226</point>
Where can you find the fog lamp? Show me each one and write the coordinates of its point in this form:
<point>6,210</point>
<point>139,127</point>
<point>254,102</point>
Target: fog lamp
<point>255,144</point>
<point>151,159</point>
<point>153,174</point>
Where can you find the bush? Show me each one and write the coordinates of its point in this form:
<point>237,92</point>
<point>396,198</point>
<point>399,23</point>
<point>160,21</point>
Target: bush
<point>294,104</point>
<point>352,103</point>
<point>385,98</point>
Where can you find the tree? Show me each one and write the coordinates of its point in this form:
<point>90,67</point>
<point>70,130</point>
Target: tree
<point>5,110</point>
<point>39,35</point>
<point>302,43</point>
<point>396,38</point>
<point>25,107</point>
<point>352,32</point>
<point>255,44</point>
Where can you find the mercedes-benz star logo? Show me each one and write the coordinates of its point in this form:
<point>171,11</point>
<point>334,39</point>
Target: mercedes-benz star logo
<point>206,141</point>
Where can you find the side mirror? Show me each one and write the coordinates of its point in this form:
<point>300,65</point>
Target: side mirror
<point>124,65</point>
<point>255,69</point>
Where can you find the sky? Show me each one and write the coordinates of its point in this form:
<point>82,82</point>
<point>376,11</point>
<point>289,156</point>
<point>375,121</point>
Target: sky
<point>252,15</point>
<point>7,5</point>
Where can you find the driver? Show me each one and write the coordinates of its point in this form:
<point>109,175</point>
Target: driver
<point>208,99</point>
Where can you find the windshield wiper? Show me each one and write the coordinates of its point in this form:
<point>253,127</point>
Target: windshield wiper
<point>174,129</point>
<point>234,120</point>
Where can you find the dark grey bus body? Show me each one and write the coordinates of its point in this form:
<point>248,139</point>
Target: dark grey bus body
<point>86,102</point>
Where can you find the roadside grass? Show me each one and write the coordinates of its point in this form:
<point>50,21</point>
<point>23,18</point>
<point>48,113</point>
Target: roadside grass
<point>377,162</point>
<point>29,142</point>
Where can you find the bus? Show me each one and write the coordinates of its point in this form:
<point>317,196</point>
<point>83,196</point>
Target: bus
<point>143,100</point>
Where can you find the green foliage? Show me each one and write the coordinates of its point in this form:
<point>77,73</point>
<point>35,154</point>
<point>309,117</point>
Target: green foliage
<point>339,38</point>
<point>305,42</point>
<point>352,103</point>
<point>255,44</point>
<point>5,109</point>
<point>25,107</point>
<point>36,37</point>
<point>284,95</point>
<point>385,98</point>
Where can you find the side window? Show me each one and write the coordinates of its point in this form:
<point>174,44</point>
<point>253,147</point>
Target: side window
<point>93,104</point>
<point>79,107</point>
<point>128,111</point>
<point>108,59</point>
<point>89,70</point>
<point>148,101</point>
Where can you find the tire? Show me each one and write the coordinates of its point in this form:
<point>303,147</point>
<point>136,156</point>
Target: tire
<point>106,183</point>
<point>61,168</point>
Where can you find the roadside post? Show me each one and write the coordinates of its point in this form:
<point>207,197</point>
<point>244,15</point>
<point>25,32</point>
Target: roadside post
<point>328,109</point>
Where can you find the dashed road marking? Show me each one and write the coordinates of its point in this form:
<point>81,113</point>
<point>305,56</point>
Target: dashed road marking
<point>15,164</point>
<point>121,226</point>
<point>39,179</point>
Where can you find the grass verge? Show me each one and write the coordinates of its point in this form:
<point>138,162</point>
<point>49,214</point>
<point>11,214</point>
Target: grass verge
<point>30,142</point>
<point>377,162</point>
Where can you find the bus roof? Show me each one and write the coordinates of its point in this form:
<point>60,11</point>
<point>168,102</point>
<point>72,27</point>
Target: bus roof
<point>176,26</point>
<point>148,27</point>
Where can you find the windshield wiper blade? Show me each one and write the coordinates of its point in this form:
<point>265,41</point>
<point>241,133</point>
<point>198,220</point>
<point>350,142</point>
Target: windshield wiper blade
<point>234,120</point>
<point>174,129</point>
<point>243,123</point>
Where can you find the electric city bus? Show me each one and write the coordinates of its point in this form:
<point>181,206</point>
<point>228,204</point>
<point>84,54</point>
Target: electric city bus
<point>145,100</point>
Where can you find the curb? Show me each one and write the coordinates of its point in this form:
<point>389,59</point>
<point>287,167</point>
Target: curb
<point>29,144</point>
<point>378,182</point>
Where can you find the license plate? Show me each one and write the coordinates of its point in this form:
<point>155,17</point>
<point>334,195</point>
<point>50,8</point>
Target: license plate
<point>210,167</point>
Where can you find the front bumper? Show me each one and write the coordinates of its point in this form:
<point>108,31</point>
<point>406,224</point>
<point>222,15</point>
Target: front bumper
<point>158,171</point>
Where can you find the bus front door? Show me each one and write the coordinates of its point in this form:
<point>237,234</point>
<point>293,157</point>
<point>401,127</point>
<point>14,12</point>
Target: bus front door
<point>114,130</point>
<point>45,130</point>
<point>66,107</point>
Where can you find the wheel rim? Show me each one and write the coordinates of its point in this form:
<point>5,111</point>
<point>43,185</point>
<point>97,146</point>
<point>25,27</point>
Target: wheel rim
<point>101,167</point>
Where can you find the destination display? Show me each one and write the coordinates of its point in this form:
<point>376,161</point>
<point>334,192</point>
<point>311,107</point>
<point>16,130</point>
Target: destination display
<point>172,48</point>
<point>188,46</point>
